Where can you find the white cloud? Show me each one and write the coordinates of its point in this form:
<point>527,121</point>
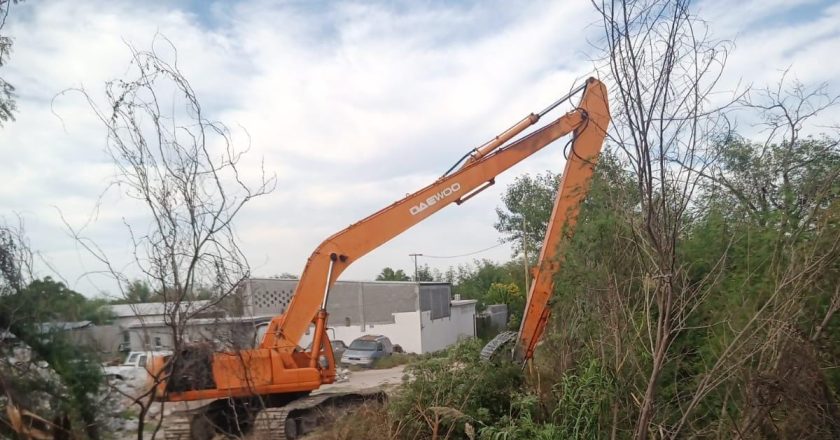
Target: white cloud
<point>353,105</point>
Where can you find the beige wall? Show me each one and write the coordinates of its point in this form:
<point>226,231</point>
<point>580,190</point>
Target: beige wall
<point>105,339</point>
<point>224,333</point>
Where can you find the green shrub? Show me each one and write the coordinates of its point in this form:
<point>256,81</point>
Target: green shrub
<point>460,383</point>
<point>521,423</point>
<point>581,399</point>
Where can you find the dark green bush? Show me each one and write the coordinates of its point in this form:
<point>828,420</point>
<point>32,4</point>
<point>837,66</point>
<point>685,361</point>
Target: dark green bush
<point>480,392</point>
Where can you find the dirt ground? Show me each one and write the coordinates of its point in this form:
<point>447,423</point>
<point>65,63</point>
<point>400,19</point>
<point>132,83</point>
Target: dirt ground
<point>366,379</point>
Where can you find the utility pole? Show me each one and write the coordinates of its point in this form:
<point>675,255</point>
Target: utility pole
<point>525,255</point>
<point>415,264</point>
<point>527,276</point>
<point>525,248</point>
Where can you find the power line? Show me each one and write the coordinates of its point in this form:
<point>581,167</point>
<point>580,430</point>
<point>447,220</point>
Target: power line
<point>463,255</point>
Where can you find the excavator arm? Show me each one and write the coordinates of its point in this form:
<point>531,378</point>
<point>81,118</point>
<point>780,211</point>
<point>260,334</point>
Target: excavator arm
<point>573,187</point>
<point>589,121</point>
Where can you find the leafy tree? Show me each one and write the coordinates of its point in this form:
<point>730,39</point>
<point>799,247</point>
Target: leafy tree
<point>511,295</point>
<point>424,273</point>
<point>389,274</point>
<point>138,292</point>
<point>51,300</point>
<point>528,203</point>
<point>62,380</point>
<point>475,281</point>
<point>779,184</point>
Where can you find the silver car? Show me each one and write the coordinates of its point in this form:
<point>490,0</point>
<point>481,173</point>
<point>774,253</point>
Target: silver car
<point>364,351</point>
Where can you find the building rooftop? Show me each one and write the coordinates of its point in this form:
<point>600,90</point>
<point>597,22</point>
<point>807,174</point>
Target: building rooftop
<point>294,280</point>
<point>256,320</point>
<point>46,327</point>
<point>154,309</point>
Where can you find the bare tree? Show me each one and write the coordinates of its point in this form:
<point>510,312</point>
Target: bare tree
<point>7,91</point>
<point>184,169</point>
<point>664,68</point>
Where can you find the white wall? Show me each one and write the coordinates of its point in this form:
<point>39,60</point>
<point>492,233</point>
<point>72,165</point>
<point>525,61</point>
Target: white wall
<point>464,315</point>
<point>143,338</point>
<point>441,333</point>
<point>405,331</point>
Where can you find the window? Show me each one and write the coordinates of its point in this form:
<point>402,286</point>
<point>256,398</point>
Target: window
<point>259,335</point>
<point>347,321</point>
<point>141,362</point>
<point>362,345</point>
<point>125,345</point>
<point>158,343</point>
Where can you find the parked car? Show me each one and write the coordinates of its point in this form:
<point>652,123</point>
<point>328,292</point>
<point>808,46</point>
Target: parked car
<point>134,366</point>
<point>364,351</point>
<point>338,347</point>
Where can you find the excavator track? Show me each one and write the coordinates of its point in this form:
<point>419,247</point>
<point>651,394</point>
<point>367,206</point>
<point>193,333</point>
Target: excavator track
<point>501,340</point>
<point>177,426</point>
<point>203,423</point>
<point>275,424</point>
<point>288,422</point>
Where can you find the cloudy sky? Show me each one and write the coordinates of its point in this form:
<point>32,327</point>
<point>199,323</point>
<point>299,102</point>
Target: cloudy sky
<point>351,104</point>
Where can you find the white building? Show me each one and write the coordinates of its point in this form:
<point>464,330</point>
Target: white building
<point>143,326</point>
<point>127,315</point>
<point>420,317</point>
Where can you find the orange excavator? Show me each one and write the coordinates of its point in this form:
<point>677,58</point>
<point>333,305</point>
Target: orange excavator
<point>265,390</point>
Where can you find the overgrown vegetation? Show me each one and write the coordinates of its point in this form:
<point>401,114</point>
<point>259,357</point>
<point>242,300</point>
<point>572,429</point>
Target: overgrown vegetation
<point>756,355</point>
<point>41,369</point>
<point>57,303</point>
<point>699,296</point>
<point>445,393</point>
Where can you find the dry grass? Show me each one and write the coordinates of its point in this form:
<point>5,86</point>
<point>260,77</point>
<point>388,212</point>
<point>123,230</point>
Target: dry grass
<point>391,361</point>
<point>368,421</point>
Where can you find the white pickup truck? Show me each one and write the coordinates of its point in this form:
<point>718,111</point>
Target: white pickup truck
<point>134,367</point>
